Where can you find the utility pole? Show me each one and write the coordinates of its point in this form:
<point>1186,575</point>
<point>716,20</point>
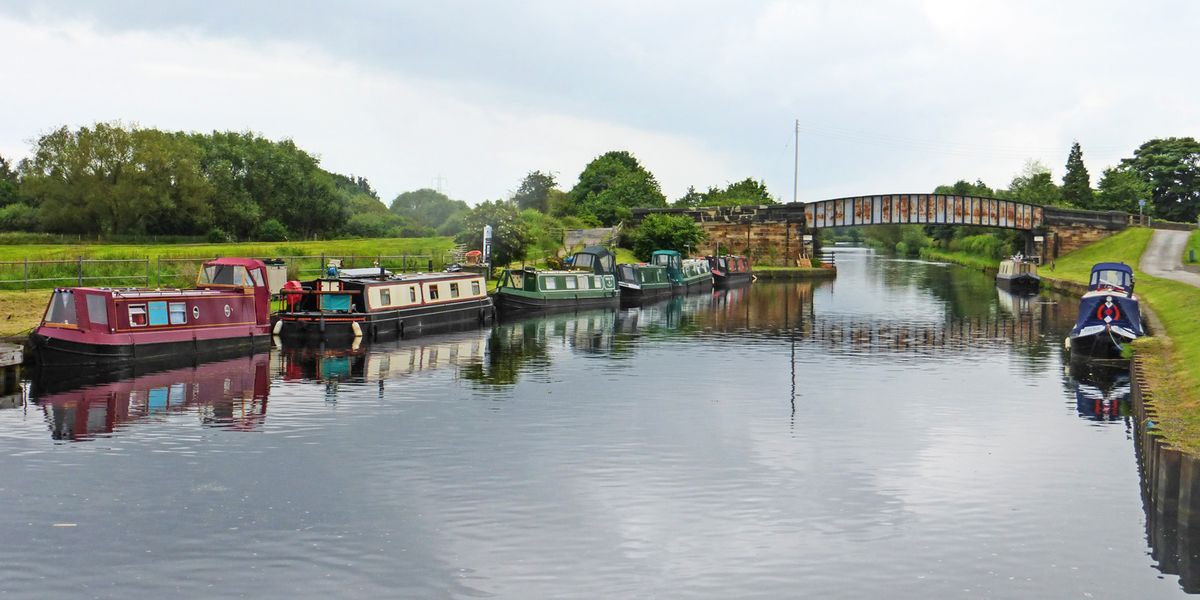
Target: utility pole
<point>796,173</point>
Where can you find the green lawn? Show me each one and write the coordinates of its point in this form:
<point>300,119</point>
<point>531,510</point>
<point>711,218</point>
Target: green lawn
<point>1193,244</point>
<point>961,258</point>
<point>417,253</point>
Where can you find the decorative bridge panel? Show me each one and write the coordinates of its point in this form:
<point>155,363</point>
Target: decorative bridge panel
<point>924,209</point>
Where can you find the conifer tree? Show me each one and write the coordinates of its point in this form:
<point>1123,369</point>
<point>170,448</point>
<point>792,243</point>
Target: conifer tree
<point>1077,185</point>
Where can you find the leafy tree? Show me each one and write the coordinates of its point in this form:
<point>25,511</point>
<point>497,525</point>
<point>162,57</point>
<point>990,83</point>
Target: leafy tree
<point>1077,184</point>
<point>611,185</point>
<point>1120,189</point>
<point>665,232</point>
<point>359,196</point>
<point>18,217</point>
<point>535,191</point>
<point>426,207</point>
<point>964,188</point>
<point>689,199</point>
<point>376,225</point>
<point>1171,168</point>
<point>510,238</point>
<point>1035,185</point>
<point>9,183</point>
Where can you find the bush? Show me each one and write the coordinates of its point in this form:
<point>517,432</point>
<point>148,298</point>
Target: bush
<point>271,231</point>
<point>375,225</point>
<point>216,235</point>
<point>912,240</point>
<point>18,217</point>
<point>982,245</point>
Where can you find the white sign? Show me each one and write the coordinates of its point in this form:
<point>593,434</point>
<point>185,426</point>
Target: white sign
<point>807,238</point>
<point>487,244</point>
<point>1038,238</point>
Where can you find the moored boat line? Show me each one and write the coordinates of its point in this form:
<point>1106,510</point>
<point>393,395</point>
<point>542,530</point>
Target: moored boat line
<point>591,282</point>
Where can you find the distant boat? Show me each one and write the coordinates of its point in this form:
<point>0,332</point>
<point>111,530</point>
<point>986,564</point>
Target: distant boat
<point>730,270</point>
<point>1109,316</point>
<point>1018,273</point>
<point>591,282</point>
<point>686,274</point>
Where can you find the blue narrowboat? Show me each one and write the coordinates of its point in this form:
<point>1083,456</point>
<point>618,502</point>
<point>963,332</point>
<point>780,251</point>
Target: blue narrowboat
<point>1109,316</point>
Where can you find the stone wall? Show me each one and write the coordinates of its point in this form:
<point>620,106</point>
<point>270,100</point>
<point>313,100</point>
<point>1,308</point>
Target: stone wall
<point>1068,238</point>
<point>765,243</point>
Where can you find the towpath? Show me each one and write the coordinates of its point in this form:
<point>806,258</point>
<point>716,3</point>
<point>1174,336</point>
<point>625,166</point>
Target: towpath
<point>1164,257</point>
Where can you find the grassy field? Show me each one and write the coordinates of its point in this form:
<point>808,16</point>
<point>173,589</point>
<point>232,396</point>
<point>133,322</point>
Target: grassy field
<point>960,258</point>
<point>167,264</point>
<point>1193,244</point>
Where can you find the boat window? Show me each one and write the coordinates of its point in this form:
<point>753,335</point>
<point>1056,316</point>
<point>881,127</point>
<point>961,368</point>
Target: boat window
<point>474,288</point>
<point>583,282</point>
<point>454,290</point>
<point>662,259</point>
<point>225,275</point>
<point>412,293</point>
<point>257,275</point>
<point>137,315</point>
<point>583,261</point>
<point>62,309</point>
<point>433,292</point>
<point>385,297</point>
<point>549,283</point>
<point>97,309</point>
<point>177,313</point>
<point>627,273</point>
<point>1110,277</point>
<point>572,283</point>
<point>606,264</point>
<point>517,279</point>
<point>158,313</point>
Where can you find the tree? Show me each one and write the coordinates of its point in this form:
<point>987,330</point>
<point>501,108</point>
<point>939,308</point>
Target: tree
<point>689,199</point>
<point>611,185</point>
<point>1120,189</point>
<point>1171,169</point>
<point>9,184</point>
<point>535,191</point>
<point>1035,185</point>
<point>1077,185</point>
<point>426,207</point>
<point>510,238</point>
<point>963,187</point>
<point>665,232</point>
<point>271,231</point>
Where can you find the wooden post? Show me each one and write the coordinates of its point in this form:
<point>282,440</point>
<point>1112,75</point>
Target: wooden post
<point>158,271</point>
<point>27,273</point>
<point>79,271</point>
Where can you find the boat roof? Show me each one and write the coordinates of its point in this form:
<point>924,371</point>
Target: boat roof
<point>1112,266</point>
<point>667,252</point>
<point>597,250</point>
<point>238,262</point>
<point>407,277</point>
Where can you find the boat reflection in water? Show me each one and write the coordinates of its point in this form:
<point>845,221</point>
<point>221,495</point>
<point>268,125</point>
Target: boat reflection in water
<point>229,393</point>
<point>379,362</point>
<point>1102,391</point>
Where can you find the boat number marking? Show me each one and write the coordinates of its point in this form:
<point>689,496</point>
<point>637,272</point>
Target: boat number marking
<point>227,311</point>
<point>195,312</point>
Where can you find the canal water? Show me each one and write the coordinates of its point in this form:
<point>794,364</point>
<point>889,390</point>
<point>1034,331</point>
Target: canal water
<point>906,431</point>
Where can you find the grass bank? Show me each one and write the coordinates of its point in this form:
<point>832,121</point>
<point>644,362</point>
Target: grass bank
<point>1172,357</point>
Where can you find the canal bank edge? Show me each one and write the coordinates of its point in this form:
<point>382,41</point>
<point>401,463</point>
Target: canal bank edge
<point>794,273</point>
<point>1169,362</point>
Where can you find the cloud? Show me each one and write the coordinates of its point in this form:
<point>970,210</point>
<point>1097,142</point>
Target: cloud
<point>401,132</point>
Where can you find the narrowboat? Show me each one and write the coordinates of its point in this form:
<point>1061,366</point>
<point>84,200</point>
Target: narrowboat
<point>639,282</point>
<point>229,309</point>
<point>1018,273</point>
<point>350,304</point>
<point>1109,316</point>
<point>730,270</point>
<point>686,274</point>
<point>591,282</point>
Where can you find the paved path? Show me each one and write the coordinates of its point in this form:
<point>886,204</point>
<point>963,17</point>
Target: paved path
<point>1164,257</point>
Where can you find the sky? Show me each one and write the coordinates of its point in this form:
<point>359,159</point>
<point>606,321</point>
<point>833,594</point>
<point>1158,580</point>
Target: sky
<point>468,97</point>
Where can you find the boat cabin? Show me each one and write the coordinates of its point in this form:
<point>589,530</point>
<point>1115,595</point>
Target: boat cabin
<point>1112,276</point>
<point>729,263</point>
<point>594,259</point>
<point>1016,268</point>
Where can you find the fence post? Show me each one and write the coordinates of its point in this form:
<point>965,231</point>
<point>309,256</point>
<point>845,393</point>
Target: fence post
<point>27,273</point>
<point>158,271</point>
<point>79,271</point>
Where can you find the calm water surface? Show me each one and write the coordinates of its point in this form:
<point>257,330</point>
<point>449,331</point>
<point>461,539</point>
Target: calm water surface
<point>903,431</point>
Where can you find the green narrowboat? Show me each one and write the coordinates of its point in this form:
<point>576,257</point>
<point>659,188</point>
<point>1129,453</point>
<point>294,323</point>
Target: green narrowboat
<point>642,282</point>
<point>590,282</point>
<point>686,274</point>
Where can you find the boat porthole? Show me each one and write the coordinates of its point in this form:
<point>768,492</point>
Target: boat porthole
<point>195,312</point>
<point>228,311</point>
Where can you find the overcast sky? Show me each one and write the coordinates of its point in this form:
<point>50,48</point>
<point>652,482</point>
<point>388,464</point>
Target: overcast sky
<point>470,96</point>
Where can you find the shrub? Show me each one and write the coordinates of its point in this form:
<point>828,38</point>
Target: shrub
<point>665,232</point>
<point>216,235</point>
<point>18,217</point>
<point>271,231</point>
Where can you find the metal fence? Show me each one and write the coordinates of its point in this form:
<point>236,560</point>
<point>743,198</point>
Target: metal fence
<point>174,272</point>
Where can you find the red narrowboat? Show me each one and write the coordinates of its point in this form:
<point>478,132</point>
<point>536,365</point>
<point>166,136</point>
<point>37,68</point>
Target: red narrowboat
<point>730,270</point>
<point>229,309</point>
